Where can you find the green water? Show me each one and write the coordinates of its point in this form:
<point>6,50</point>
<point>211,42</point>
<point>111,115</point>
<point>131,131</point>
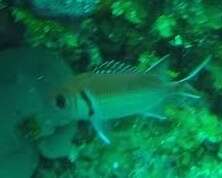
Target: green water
<point>45,45</point>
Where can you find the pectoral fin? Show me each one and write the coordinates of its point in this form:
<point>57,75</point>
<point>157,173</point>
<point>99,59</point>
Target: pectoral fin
<point>95,116</point>
<point>98,125</point>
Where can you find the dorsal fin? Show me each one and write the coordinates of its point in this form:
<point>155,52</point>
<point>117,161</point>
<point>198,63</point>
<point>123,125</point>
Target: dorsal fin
<point>159,68</point>
<point>114,67</point>
<point>162,61</point>
<point>117,67</point>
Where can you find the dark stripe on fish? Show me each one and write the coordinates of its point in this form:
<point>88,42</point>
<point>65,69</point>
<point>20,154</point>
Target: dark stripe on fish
<point>86,98</point>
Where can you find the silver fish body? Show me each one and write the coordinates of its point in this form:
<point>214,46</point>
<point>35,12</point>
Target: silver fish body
<point>114,93</point>
<point>112,96</point>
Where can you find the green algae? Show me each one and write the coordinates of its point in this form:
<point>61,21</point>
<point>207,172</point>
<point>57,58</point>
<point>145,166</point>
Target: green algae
<point>132,11</point>
<point>165,26</point>
<point>46,33</point>
<point>189,144</point>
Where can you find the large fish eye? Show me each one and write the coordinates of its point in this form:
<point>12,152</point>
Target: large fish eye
<point>60,101</point>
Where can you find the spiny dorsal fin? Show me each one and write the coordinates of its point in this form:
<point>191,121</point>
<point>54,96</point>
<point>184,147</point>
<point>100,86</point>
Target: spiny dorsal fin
<point>115,67</point>
<point>159,62</point>
<point>160,68</point>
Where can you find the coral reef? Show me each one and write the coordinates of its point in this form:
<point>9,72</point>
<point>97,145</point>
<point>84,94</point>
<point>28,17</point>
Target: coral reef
<point>187,144</point>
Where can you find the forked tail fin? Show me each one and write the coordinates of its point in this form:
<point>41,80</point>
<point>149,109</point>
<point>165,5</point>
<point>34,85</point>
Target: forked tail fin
<point>184,90</point>
<point>196,71</point>
<point>187,91</point>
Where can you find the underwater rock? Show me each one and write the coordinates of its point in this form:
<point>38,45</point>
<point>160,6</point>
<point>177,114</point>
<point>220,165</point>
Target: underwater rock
<point>63,8</point>
<point>11,34</point>
<point>18,157</point>
<point>28,78</point>
<point>59,144</point>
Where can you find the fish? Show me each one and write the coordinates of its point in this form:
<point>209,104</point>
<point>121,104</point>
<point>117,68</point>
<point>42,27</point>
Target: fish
<point>114,90</point>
